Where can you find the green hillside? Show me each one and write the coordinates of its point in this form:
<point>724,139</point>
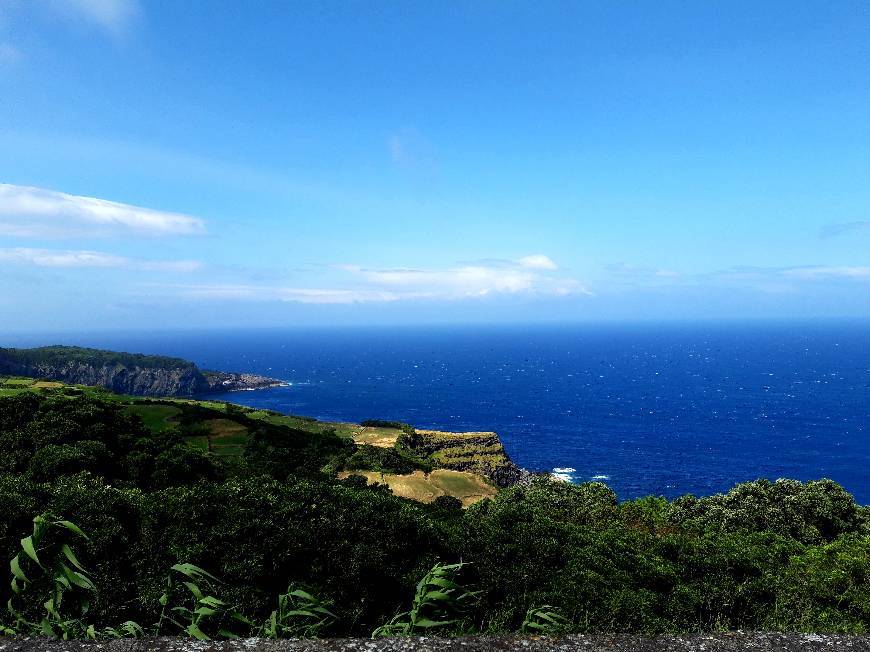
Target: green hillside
<point>353,516</point>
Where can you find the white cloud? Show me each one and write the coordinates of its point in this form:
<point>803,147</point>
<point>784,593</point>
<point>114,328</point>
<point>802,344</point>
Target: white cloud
<point>831,272</point>
<point>114,16</point>
<point>82,258</point>
<point>365,285</point>
<point>37,212</point>
<point>467,281</point>
<point>537,261</point>
<point>296,295</point>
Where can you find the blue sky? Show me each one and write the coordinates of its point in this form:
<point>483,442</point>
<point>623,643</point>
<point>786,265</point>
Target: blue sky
<point>193,163</point>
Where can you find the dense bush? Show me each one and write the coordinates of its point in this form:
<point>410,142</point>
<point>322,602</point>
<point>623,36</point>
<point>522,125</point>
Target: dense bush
<point>48,437</point>
<point>766,555</point>
<point>385,460</point>
<point>69,355</point>
<point>812,513</point>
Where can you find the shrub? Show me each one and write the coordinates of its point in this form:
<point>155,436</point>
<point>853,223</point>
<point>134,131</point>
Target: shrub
<point>813,512</point>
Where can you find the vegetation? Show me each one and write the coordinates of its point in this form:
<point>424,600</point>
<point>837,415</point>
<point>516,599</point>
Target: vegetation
<point>63,355</point>
<point>141,529</point>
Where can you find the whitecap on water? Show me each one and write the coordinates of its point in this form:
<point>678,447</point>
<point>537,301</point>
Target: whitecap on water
<point>601,477</point>
<point>563,473</point>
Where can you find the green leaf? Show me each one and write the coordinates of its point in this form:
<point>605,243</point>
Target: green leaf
<point>194,572</point>
<point>426,623</point>
<point>72,527</point>
<point>299,593</point>
<point>70,555</point>
<point>194,589</point>
<point>78,579</point>
<point>243,619</point>
<point>227,634</point>
<point>196,632</point>
<point>29,550</point>
<point>15,565</point>
<point>132,628</point>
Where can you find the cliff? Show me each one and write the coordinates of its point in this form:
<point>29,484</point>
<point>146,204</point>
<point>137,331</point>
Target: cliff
<point>124,373</point>
<point>481,453</point>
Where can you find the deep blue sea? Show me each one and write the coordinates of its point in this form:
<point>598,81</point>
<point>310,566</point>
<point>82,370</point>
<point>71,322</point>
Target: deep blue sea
<point>651,409</point>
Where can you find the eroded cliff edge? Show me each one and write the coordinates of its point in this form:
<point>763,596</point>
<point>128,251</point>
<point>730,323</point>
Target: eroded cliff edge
<point>125,373</point>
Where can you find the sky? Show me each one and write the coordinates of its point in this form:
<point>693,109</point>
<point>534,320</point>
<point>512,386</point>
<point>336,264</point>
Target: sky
<point>202,163</point>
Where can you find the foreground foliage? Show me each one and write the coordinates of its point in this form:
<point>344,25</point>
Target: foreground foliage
<point>133,521</point>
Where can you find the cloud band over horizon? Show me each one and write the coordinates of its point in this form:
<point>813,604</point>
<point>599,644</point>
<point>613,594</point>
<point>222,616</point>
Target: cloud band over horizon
<point>30,212</point>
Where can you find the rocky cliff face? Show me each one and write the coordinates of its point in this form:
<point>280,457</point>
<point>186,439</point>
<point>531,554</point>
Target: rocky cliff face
<point>183,379</point>
<point>122,379</point>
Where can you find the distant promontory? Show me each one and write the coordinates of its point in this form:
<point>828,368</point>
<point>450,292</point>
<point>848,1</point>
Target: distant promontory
<point>126,373</point>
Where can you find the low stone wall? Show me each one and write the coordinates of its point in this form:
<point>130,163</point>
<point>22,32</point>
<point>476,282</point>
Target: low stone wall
<point>728,642</point>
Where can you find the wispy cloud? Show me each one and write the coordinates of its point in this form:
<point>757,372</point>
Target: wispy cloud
<point>81,258</point>
<point>537,261</point>
<point>290,294</point>
<point>531,275</point>
<point>528,274</point>
<point>9,55</point>
<point>37,212</point>
<point>113,16</point>
<point>840,228</point>
<point>828,272</point>
<point>411,151</point>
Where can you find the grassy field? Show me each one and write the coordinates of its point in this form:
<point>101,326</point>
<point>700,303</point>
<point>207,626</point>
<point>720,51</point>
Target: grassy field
<point>382,437</point>
<point>13,386</point>
<point>156,418</point>
<point>426,487</point>
<point>226,437</point>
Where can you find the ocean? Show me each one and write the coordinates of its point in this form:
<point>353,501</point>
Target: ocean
<point>647,409</point>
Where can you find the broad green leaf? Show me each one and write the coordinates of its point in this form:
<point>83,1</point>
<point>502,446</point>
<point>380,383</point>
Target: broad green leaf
<point>72,527</point>
<point>15,565</point>
<point>299,593</point>
<point>196,632</point>
<point>426,623</point>
<point>193,588</point>
<point>70,555</point>
<point>29,549</point>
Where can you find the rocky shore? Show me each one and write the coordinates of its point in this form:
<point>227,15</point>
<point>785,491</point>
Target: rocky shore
<point>224,381</point>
